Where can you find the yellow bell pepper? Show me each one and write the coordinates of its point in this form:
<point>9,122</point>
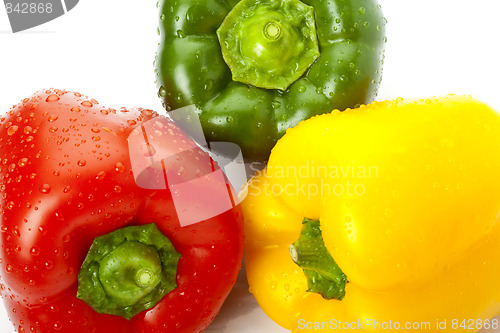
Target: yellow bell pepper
<point>406,195</point>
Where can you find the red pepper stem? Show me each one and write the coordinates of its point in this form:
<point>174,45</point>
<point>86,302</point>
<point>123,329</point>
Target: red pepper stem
<point>144,278</point>
<point>128,270</point>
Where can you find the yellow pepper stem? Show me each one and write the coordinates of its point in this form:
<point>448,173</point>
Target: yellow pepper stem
<point>322,272</point>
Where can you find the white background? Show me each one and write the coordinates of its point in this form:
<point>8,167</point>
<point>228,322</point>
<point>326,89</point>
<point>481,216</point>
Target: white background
<point>105,49</point>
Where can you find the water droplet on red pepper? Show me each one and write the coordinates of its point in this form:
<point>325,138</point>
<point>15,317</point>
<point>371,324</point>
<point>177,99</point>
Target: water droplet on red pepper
<point>12,129</point>
<point>45,188</point>
<point>52,118</point>
<point>52,98</point>
<point>100,175</point>
<point>87,104</point>
<point>57,326</point>
<point>35,250</point>
<point>119,167</point>
<point>42,230</point>
<point>82,163</point>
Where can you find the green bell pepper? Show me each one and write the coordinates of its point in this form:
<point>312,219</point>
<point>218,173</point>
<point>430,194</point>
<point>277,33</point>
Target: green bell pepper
<point>254,68</point>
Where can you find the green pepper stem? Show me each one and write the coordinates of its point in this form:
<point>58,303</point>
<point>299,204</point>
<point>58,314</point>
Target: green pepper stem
<point>128,270</point>
<point>269,43</point>
<point>322,272</point>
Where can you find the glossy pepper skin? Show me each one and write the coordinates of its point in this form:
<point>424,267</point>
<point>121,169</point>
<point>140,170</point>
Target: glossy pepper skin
<point>66,178</point>
<point>196,40</point>
<point>416,232</point>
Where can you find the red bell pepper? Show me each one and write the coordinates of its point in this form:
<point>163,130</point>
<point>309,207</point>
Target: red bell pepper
<point>69,196</point>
